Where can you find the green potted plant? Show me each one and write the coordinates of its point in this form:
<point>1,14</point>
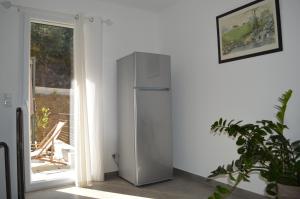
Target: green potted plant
<point>41,122</point>
<point>263,148</point>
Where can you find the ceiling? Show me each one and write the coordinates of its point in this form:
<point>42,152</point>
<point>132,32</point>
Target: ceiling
<point>150,5</point>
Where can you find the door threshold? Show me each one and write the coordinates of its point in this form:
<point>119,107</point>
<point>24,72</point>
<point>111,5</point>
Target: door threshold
<point>42,185</point>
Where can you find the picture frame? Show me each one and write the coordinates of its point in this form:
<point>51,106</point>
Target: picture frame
<point>250,30</point>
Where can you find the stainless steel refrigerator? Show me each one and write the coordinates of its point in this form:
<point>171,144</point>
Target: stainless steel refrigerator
<point>144,118</point>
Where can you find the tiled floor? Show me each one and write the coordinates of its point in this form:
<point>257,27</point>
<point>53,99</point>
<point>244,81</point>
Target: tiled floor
<point>181,187</point>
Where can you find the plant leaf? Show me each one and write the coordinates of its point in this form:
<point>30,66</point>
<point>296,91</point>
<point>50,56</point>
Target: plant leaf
<point>282,108</point>
<point>241,150</point>
<point>231,177</point>
<point>222,190</point>
<point>217,195</point>
<point>271,189</point>
<point>220,121</point>
<point>230,122</point>
<point>240,141</point>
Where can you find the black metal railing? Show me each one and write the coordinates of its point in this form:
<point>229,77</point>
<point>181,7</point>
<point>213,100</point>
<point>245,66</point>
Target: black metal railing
<point>20,160</point>
<point>20,154</point>
<point>7,169</point>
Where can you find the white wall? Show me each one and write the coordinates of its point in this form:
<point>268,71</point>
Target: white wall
<point>9,83</point>
<point>204,90</point>
<point>133,30</point>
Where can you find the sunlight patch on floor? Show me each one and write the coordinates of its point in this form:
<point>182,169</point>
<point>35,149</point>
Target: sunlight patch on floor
<point>45,171</point>
<point>97,194</point>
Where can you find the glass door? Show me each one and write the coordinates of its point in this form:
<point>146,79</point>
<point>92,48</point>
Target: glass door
<point>51,140</point>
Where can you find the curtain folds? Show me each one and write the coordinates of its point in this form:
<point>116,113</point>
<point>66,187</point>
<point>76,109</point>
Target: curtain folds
<point>88,110</point>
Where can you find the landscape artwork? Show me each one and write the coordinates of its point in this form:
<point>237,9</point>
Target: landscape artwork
<point>251,30</point>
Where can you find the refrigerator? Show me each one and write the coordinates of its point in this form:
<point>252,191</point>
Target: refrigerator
<point>144,118</point>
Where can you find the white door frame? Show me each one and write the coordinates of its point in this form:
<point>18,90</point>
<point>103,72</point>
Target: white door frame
<point>51,18</point>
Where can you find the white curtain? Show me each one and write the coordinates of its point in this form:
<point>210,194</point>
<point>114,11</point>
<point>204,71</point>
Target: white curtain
<point>88,110</point>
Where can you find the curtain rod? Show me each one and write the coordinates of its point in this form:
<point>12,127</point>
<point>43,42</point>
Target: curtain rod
<point>8,5</point>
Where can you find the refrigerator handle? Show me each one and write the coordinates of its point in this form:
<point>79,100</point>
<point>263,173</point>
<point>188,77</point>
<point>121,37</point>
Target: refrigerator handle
<point>151,89</point>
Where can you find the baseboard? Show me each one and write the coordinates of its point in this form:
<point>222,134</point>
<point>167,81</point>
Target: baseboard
<point>213,183</point>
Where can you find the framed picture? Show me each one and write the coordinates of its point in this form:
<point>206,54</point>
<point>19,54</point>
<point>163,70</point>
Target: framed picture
<point>250,30</point>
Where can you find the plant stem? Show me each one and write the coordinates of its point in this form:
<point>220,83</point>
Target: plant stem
<point>237,182</point>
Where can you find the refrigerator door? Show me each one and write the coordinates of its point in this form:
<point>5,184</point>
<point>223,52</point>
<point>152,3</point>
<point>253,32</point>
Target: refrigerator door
<point>152,70</point>
<point>153,136</point>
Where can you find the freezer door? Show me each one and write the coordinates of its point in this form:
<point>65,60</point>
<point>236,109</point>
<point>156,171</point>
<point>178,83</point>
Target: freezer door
<point>152,70</point>
<point>153,136</point>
